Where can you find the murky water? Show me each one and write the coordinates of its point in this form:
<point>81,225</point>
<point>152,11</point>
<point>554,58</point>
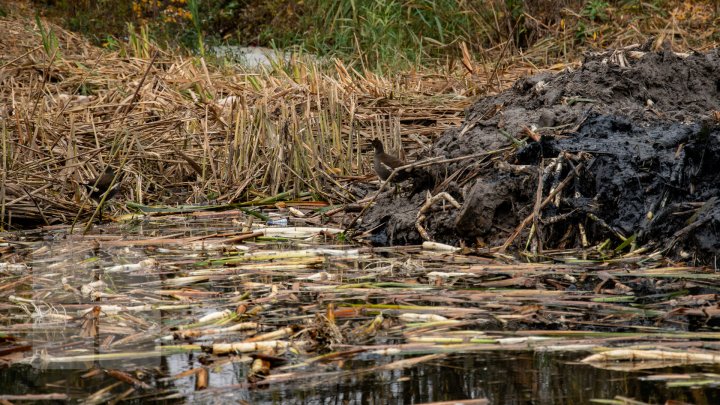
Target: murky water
<point>67,351</point>
<point>503,378</point>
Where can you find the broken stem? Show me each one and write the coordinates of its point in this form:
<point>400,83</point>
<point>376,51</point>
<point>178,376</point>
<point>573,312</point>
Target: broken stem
<point>545,202</point>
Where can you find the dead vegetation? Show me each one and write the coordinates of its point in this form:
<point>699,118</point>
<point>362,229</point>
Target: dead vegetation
<point>291,306</point>
<point>216,291</point>
<point>183,131</point>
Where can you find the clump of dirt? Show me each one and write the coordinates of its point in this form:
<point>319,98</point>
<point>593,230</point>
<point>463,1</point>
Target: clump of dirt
<point>625,149</point>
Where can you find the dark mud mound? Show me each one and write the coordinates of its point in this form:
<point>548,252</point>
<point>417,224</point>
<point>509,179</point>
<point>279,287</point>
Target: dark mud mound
<point>624,151</point>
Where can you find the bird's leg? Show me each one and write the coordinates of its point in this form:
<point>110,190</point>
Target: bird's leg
<point>383,184</point>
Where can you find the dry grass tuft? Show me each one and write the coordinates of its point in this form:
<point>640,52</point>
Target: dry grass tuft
<point>188,131</point>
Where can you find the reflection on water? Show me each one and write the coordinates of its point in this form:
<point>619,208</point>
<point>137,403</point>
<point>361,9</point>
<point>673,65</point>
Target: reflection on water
<point>152,302</point>
<point>503,378</point>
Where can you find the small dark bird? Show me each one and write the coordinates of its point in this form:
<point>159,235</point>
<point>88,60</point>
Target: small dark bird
<point>385,164</point>
<point>99,185</point>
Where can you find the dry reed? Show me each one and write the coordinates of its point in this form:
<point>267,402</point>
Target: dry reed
<point>188,130</point>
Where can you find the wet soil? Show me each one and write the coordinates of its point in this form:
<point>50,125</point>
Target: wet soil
<point>631,139</point>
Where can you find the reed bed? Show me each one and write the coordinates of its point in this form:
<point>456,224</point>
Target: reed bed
<point>292,304</point>
<point>190,130</point>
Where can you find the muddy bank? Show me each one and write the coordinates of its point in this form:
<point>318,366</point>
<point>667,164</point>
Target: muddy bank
<point>625,150</point>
